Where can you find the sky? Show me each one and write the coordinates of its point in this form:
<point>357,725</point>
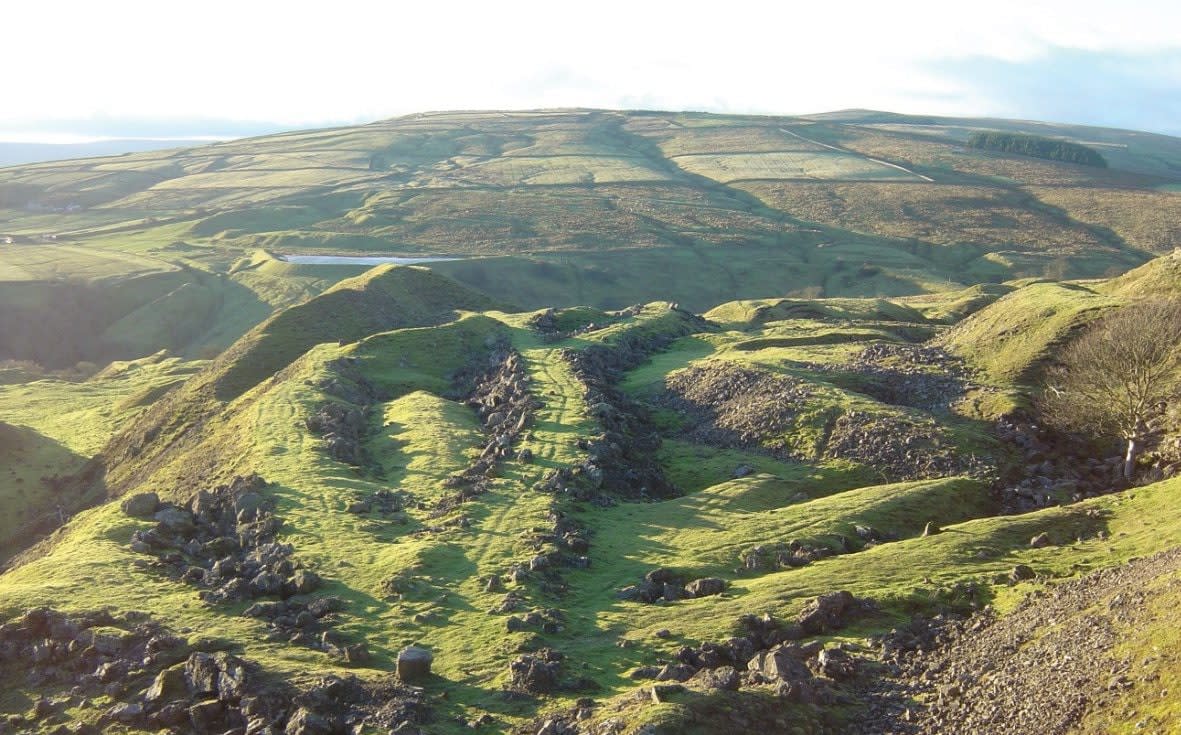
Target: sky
<point>76,70</point>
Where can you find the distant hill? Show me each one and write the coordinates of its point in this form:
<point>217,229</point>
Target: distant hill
<point>12,154</point>
<point>565,207</point>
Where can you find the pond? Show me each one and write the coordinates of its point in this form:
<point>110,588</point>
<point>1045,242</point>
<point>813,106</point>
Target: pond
<point>359,259</point>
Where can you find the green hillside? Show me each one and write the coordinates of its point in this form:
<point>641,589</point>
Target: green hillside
<point>713,424</point>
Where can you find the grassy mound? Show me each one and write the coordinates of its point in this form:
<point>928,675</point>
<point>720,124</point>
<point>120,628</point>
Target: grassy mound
<point>1011,338</point>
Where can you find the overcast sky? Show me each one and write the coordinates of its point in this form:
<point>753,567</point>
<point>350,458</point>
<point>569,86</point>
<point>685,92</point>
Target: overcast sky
<point>218,67</point>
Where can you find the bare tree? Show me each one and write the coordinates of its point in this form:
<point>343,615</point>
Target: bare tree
<point>1116,379</point>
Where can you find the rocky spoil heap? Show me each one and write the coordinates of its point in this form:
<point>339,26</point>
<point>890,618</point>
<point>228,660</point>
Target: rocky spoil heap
<point>917,376</point>
<point>794,553</point>
<point>1053,468</point>
<point>771,653</point>
<point>500,393</point>
<point>670,585</point>
<point>158,681</point>
<point>727,405</point>
<point>343,423</point>
<point>900,448</point>
<point>1038,669</point>
<point>81,656</point>
<point>620,460</point>
<point>224,541</point>
<point>770,661</point>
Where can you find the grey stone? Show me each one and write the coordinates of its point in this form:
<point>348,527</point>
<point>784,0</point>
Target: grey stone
<point>705,587</point>
<point>175,519</point>
<point>414,663</point>
<point>304,581</point>
<point>141,505</point>
<point>168,684</point>
<point>306,722</point>
<point>201,673</point>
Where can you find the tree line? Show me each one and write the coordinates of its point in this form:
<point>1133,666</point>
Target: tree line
<point>1037,147</point>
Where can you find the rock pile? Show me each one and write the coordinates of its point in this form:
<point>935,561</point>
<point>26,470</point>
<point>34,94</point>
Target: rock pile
<point>87,654</point>
<point>901,448</point>
<point>158,681</point>
<point>918,376</point>
<point>792,554</point>
<point>728,405</point>
<point>536,673</point>
<point>771,654</point>
<point>1037,669</point>
<point>500,394</point>
<point>385,502</point>
<point>224,542</point>
<point>620,460</point>
<point>669,585</point>
<point>1053,469</point>
<point>342,427</point>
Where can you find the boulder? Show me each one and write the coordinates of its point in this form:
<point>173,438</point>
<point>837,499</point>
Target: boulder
<point>705,587</point>
<point>662,576</point>
<point>537,674</point>
<point>357,653</point>
<point>201,674</point>
<point>1022,572</point>
<point>414,663</point>
<point>662,692</point>
<point>126,712</point>
<point>207,717</point>
<point>172,714</point>
<point>168,684</point>
<point>303,582</point>
<point>204,506</point>
<point>246,506</point>
<point>836,664</point>
<point>1039,541</point>
<point>675,672</point>
<point>723,677</point>
<point>266,583</point>
<point>826,612</point>
<point>177,520</point>
<point>232,678</point>
<point>306,722</point>
<point>515,625</point>
<point>782,663</point>
<point>141,505</point>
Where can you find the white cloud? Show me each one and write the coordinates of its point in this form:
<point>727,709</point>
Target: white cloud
<point>308,63</point>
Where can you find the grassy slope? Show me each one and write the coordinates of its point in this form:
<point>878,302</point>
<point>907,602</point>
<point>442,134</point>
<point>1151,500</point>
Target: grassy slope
<point>382,298</point>
<point>1012,337</point>
<point>419,437</point>
<point>54,426</point>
